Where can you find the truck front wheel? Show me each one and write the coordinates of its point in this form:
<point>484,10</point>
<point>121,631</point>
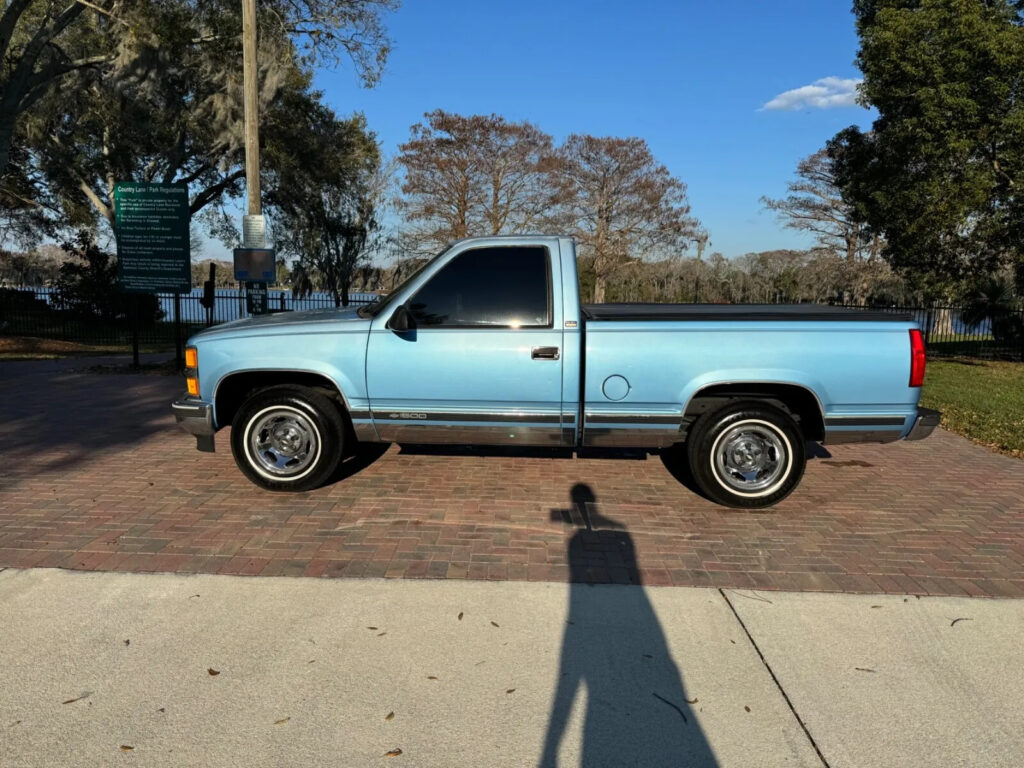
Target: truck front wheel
<point>747,454</point>
<point>287,438</point>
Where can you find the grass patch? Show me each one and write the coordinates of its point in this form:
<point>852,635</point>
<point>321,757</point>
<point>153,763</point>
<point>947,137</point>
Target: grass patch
<point>982,400</point>
<point>33,348</point>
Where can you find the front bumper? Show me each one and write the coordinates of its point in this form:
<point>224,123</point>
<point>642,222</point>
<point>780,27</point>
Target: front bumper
<point>196,418</point>
<point>927,420</point>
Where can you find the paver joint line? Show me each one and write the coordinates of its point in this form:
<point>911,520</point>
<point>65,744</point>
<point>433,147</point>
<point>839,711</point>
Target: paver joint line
<point>775,679</point>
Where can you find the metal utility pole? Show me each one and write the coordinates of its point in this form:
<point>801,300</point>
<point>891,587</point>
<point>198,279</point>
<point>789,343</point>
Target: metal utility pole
<point>253,230</point>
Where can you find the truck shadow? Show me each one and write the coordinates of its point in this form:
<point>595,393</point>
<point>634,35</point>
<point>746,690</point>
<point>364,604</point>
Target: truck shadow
<point>637,711</point>
<point>355,461</point>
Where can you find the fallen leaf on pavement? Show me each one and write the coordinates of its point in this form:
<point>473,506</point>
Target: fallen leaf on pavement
<point>691,701</point>
<point>746,707</point>
<point>431,677</point>
<point>876,606</point>
<point>85,695</point>
<point>381,634</point>
<point>863,669</point>
<point>127,642</point>
<point>494,623</point>
<point>393,752</point>
<point>373,629</point>
<point>389,716</point>
<point>213,672</point>
<point>511,690</point>
<point>460,615</point>
<point>282,720</point>
<point>954,621</point>
<point>126,748</point>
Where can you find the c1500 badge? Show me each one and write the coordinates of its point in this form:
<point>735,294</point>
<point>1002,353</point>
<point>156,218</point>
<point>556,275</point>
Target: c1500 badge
<point>407,415</point>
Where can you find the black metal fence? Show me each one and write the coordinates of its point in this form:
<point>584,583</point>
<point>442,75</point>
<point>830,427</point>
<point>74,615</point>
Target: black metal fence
<point>34,312</point>
<point>946,333</point>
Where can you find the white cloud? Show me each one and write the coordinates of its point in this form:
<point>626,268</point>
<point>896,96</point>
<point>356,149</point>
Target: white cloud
<point>825,93</point>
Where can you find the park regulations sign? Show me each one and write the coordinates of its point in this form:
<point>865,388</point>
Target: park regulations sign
<point>152,227</point>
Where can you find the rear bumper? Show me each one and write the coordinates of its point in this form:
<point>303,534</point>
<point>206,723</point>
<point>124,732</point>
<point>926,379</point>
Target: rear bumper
<point>196,418</point>
<point>925,423</point>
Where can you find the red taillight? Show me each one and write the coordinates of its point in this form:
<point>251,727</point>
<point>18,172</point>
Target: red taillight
<point>917,359</point>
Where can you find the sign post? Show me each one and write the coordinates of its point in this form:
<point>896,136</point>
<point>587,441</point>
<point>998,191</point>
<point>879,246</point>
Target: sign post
<point>151,222</point>
<point>255,267</point>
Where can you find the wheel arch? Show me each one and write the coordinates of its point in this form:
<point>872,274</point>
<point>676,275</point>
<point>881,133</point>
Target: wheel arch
<point>800,400</point>
<point>234,388</point>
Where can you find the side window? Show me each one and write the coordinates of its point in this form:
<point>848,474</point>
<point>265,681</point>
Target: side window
<point>499,286</point>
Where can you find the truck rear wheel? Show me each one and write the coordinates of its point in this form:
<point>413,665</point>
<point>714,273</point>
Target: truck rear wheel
<point>288,438</point>
<point>747,454</point>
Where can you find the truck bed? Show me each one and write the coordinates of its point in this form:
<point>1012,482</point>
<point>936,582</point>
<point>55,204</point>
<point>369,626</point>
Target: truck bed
<point>738,312</point>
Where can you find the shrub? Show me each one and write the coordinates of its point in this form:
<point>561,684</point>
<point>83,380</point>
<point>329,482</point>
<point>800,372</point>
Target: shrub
<point>88,286</point>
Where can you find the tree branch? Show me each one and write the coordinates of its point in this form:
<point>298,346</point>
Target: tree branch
<point>210,194</point>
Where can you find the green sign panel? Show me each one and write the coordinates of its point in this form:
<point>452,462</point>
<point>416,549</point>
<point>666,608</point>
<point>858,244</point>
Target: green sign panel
<point>152,237</point>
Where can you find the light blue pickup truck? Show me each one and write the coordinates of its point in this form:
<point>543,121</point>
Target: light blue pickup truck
<point>488,344</point>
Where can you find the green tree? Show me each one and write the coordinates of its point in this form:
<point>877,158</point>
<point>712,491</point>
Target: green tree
<point>88,287</point>
<point>328,204</point>
<point>939,174</point>
<point>161,99</point>
<point>993,299</point>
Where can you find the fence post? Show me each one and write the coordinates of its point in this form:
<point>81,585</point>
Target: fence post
<point>135,331</point>
<point>177,331</point>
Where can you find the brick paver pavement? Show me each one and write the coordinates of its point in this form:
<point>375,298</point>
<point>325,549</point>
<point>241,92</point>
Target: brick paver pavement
<point>94,475</point>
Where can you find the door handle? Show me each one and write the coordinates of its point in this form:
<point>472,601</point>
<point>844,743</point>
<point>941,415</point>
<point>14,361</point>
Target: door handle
<point>544,353</point>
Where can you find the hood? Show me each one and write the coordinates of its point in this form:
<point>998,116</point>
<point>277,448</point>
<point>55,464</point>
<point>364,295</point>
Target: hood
<point>273,322</point>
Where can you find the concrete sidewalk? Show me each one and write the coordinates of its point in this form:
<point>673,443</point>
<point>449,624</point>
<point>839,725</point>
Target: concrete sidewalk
<point>165,670</point>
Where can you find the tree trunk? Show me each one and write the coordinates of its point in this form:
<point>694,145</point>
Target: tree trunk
<point>943,323</point>
<point>600,283</point>
<point>6,137</point>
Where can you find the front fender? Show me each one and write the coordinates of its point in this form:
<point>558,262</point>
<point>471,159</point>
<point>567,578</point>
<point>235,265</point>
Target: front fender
<point>339,357</point>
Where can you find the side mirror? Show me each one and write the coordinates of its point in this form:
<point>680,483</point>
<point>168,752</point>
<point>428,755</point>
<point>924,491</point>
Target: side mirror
<point>401,320</point>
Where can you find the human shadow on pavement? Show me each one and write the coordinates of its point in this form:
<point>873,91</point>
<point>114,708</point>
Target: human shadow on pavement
<point>637,711</point>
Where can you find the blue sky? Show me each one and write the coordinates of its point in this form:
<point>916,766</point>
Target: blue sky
<point>690,77</point>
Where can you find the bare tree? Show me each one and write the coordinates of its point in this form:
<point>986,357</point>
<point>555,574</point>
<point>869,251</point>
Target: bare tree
<point>815,205</point>
<point>621,203</point>
<point>473,175</point>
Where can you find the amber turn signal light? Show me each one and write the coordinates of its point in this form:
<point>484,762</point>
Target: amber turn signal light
<point>193,386</point>
<point>191,357</point>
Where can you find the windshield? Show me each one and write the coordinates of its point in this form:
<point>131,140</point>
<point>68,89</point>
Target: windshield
<point>378,306</point>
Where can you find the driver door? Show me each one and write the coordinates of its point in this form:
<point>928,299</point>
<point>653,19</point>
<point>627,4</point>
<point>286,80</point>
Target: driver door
<point>481,362</point>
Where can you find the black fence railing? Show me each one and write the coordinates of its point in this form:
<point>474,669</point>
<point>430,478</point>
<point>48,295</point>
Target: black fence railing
<point>35,312</point>
<point>946,333</point>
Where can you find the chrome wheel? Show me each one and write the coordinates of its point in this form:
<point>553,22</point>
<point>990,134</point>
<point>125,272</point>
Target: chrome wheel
<point>283,443</point>
<point>751,458</point>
